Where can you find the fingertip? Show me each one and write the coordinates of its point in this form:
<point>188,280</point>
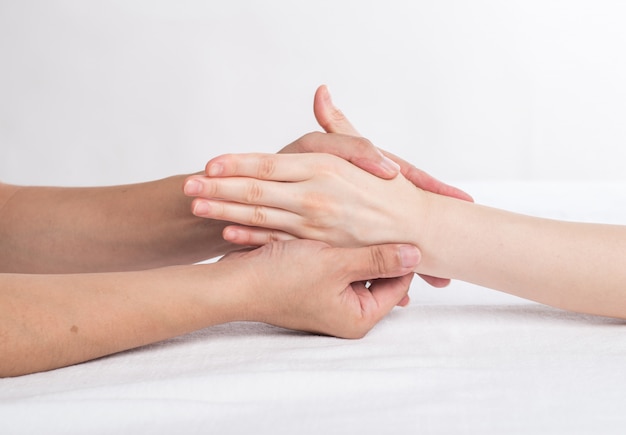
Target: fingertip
<point>214,169</point>
<point>322,105</point>
<point>435,281</point>
<point>230,234</point>
<point>410,256</point>
<point>200,208</point>
<point>406,300</point>
<point>389,166</point>
<point>192,187</point>
<point>323,93</point>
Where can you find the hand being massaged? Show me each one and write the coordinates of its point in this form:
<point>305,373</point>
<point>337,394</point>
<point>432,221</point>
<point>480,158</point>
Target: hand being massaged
<point>261,218</point>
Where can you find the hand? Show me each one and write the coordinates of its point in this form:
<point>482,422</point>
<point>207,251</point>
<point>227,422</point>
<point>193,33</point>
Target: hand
<point>314,196</point>
<point>309,286</point>
<point>332,120</point>
<point>360,151</point>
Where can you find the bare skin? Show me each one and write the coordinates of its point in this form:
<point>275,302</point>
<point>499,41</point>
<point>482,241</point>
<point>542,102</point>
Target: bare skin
<point>574,266</point>
<point>51,321</point>
<point>147,225</point>
<point>360,152</point>
<point>86,272</point>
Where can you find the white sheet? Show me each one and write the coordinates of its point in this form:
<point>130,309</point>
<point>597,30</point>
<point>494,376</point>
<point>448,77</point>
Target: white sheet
<point>458,360</point>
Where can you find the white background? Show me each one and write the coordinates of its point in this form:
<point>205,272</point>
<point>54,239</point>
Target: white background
<point>107,92</point>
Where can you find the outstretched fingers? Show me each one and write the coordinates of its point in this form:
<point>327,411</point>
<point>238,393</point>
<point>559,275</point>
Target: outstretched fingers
<point>241,190</point>
<point>274,167</point>
<point>270,218</point>
<point>251,236</point>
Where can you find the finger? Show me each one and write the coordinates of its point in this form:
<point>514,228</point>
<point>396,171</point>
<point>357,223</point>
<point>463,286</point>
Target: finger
<point>328,116</point>
<point>384,295</point>
<point>435,282</point>
<point>356,150</point>
<point>405,301</point>
<point>250,236</point>
<point>427,182</point>
<point>382,261</point>
<point>367,156</point>
<point>242,190</point>
<point>277,167</point>
<point>249,215</point>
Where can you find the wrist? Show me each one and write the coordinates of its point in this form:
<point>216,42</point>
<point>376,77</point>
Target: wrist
<point>440,231</point>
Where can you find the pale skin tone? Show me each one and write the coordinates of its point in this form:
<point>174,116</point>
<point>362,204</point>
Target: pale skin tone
<point>86,272</point>
<point>574,266</point>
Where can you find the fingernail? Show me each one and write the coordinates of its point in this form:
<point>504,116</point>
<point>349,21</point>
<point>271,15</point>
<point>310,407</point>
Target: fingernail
<point>329,98</point>
<point>409,256</point>
<point>193,187</point>
<point>405,301</point>
<point>229,234</point>
<point>201,208</point>
<point>215,169</point>
<point>389,165</point>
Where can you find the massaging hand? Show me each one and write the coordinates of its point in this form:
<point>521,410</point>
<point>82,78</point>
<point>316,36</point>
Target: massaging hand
<point>313,196</point>
<point>361,152</point>
<point>313,287</point>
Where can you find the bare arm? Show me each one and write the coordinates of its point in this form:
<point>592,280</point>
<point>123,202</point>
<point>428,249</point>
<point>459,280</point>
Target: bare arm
<point>50,321</point>
<point>568,265</point>
<point>66,230</point>
<point>574,266</point>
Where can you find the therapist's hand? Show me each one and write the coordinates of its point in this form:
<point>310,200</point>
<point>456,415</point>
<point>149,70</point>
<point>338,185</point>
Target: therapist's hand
<point>360,151</point>
<point>309,286</point>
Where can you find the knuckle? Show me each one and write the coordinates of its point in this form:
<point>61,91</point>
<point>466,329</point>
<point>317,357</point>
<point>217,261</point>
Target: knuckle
<point>259,217</point>
<point>414,175</point>
<point>254,192</point>
<point>362,144</point>
<point>273,236</point>
<point>267,167</point>
<point>309,140</point>
<point>337,115</point>
<point>378,261</point>
<point>318,208</point>
<point>326,164</point>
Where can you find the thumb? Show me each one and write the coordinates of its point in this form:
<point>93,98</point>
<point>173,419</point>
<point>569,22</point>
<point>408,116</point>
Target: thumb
<point>329,117</point>
<point>332,120</point>
<point>382,261</point>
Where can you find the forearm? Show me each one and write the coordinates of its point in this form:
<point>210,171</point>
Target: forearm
<point>574,266</point>
<point>51,321</point>
<point>66,230</point>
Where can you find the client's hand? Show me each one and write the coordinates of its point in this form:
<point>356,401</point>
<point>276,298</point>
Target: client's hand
<point>333,120</point>
<point>314,196</point>
<point>358,151</point>
<point>309,286</point>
